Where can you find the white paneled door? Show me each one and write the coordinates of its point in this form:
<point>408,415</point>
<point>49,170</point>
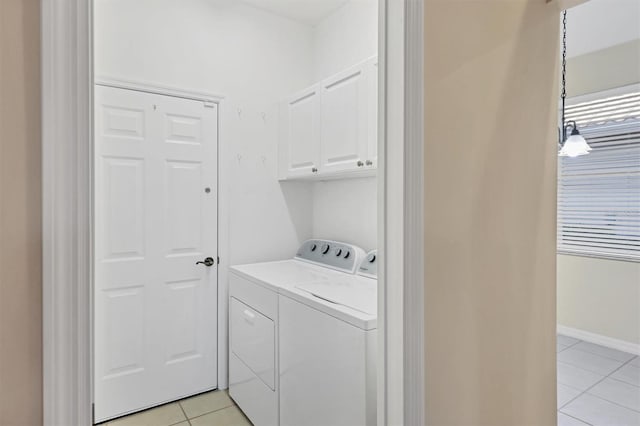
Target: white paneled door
<point>155,330</point>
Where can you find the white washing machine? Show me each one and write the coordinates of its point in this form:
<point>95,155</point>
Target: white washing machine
<point>254,321</point>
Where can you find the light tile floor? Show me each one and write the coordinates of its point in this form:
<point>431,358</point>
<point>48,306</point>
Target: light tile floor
<point>207,409</point>
<point>597,386</point>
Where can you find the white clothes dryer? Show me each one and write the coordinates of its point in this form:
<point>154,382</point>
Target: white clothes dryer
<point>254,323</point>
<point>327,350</point>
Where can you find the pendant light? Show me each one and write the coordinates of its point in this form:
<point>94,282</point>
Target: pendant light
<point>575,145</point>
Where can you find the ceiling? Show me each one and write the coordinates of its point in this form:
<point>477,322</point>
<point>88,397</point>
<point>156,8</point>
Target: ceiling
<point>309,12</point>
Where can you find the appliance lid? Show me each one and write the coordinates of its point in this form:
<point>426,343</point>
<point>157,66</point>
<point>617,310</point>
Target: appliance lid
<point>283,273</point>
<point>360,295</point>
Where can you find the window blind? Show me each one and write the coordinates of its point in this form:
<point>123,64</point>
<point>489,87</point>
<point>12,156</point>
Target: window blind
<point>599,193</point>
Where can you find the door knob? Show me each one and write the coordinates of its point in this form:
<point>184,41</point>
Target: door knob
<point>369,162</point>
<point>360,164</point>
<point>207,262</point>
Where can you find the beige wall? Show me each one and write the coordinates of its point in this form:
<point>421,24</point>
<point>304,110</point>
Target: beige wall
<point>601,296</point>
<point>490,201</point>
<point>604,69</point>
<point>20,230</point>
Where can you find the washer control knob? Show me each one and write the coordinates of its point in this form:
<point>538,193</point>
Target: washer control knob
<point>371,258</point>
<point>338,252</point>
<point>313,247</point>
<point>347,254</point>
<point>325,248</point>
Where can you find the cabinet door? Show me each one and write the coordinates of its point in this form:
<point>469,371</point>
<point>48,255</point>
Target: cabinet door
<point>344,120</point>
<point>301,123</point>
<point>372,124</point>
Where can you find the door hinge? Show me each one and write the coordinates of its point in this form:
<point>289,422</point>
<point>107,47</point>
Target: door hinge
<point>218,260</point>
<point>93,413</point>
<point>208,104</point>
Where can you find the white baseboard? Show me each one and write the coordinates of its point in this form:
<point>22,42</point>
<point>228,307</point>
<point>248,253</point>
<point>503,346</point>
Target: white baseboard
<point>599,339</point>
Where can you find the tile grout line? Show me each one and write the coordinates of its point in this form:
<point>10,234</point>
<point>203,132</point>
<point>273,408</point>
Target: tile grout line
<point>608,400</point>
<point>614,403</point>
<point>577,418</point>
<point>178,402</point>
<point>633,356</point>
<point>622,381</point>
<point>596,355</point>
<point>565,346</point>
<point>572,399</point>
<point>573,344</point>
<point>568,346</point>
<point>624,363</point>
<point>209,412</point>
<point>594,385</point>
<point>600,355</point>
<point>184,413</point>
<point>604,376</point>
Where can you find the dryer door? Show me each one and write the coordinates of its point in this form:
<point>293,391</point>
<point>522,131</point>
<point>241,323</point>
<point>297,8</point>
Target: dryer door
<point>253,341</point>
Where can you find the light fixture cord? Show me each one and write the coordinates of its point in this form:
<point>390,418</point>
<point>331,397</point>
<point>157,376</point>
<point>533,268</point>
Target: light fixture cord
<point>564,70</point>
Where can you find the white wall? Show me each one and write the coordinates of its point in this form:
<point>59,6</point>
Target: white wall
<point>251,58</point>
<point>347,36</point>
<point>346,210</point>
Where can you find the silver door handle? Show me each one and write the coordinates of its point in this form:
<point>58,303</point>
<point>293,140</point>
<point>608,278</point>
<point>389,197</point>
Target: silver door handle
<point>206,262</point>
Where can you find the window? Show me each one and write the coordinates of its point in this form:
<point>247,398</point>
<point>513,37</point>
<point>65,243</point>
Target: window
<point>599,193</point>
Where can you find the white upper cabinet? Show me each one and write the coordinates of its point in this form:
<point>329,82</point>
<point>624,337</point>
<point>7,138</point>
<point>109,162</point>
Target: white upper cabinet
<point>343,141</point>
<point>300,133</point>
<point>330,129</point>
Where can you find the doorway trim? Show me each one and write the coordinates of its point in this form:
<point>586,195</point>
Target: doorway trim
<point>401,396</point>
<point>67,132</point>
<point>157,89</point>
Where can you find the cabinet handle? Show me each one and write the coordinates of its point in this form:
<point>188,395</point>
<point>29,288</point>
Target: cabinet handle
<point>369,162</point>
<point>314,170</point>
<point>360,164</point>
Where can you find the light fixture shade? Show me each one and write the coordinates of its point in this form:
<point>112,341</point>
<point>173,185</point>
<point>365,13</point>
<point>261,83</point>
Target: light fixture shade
<point>574,146</point>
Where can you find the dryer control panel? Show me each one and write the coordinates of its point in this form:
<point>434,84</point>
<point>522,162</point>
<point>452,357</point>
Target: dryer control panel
<point>369,265</point>
<point>332,254</point>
